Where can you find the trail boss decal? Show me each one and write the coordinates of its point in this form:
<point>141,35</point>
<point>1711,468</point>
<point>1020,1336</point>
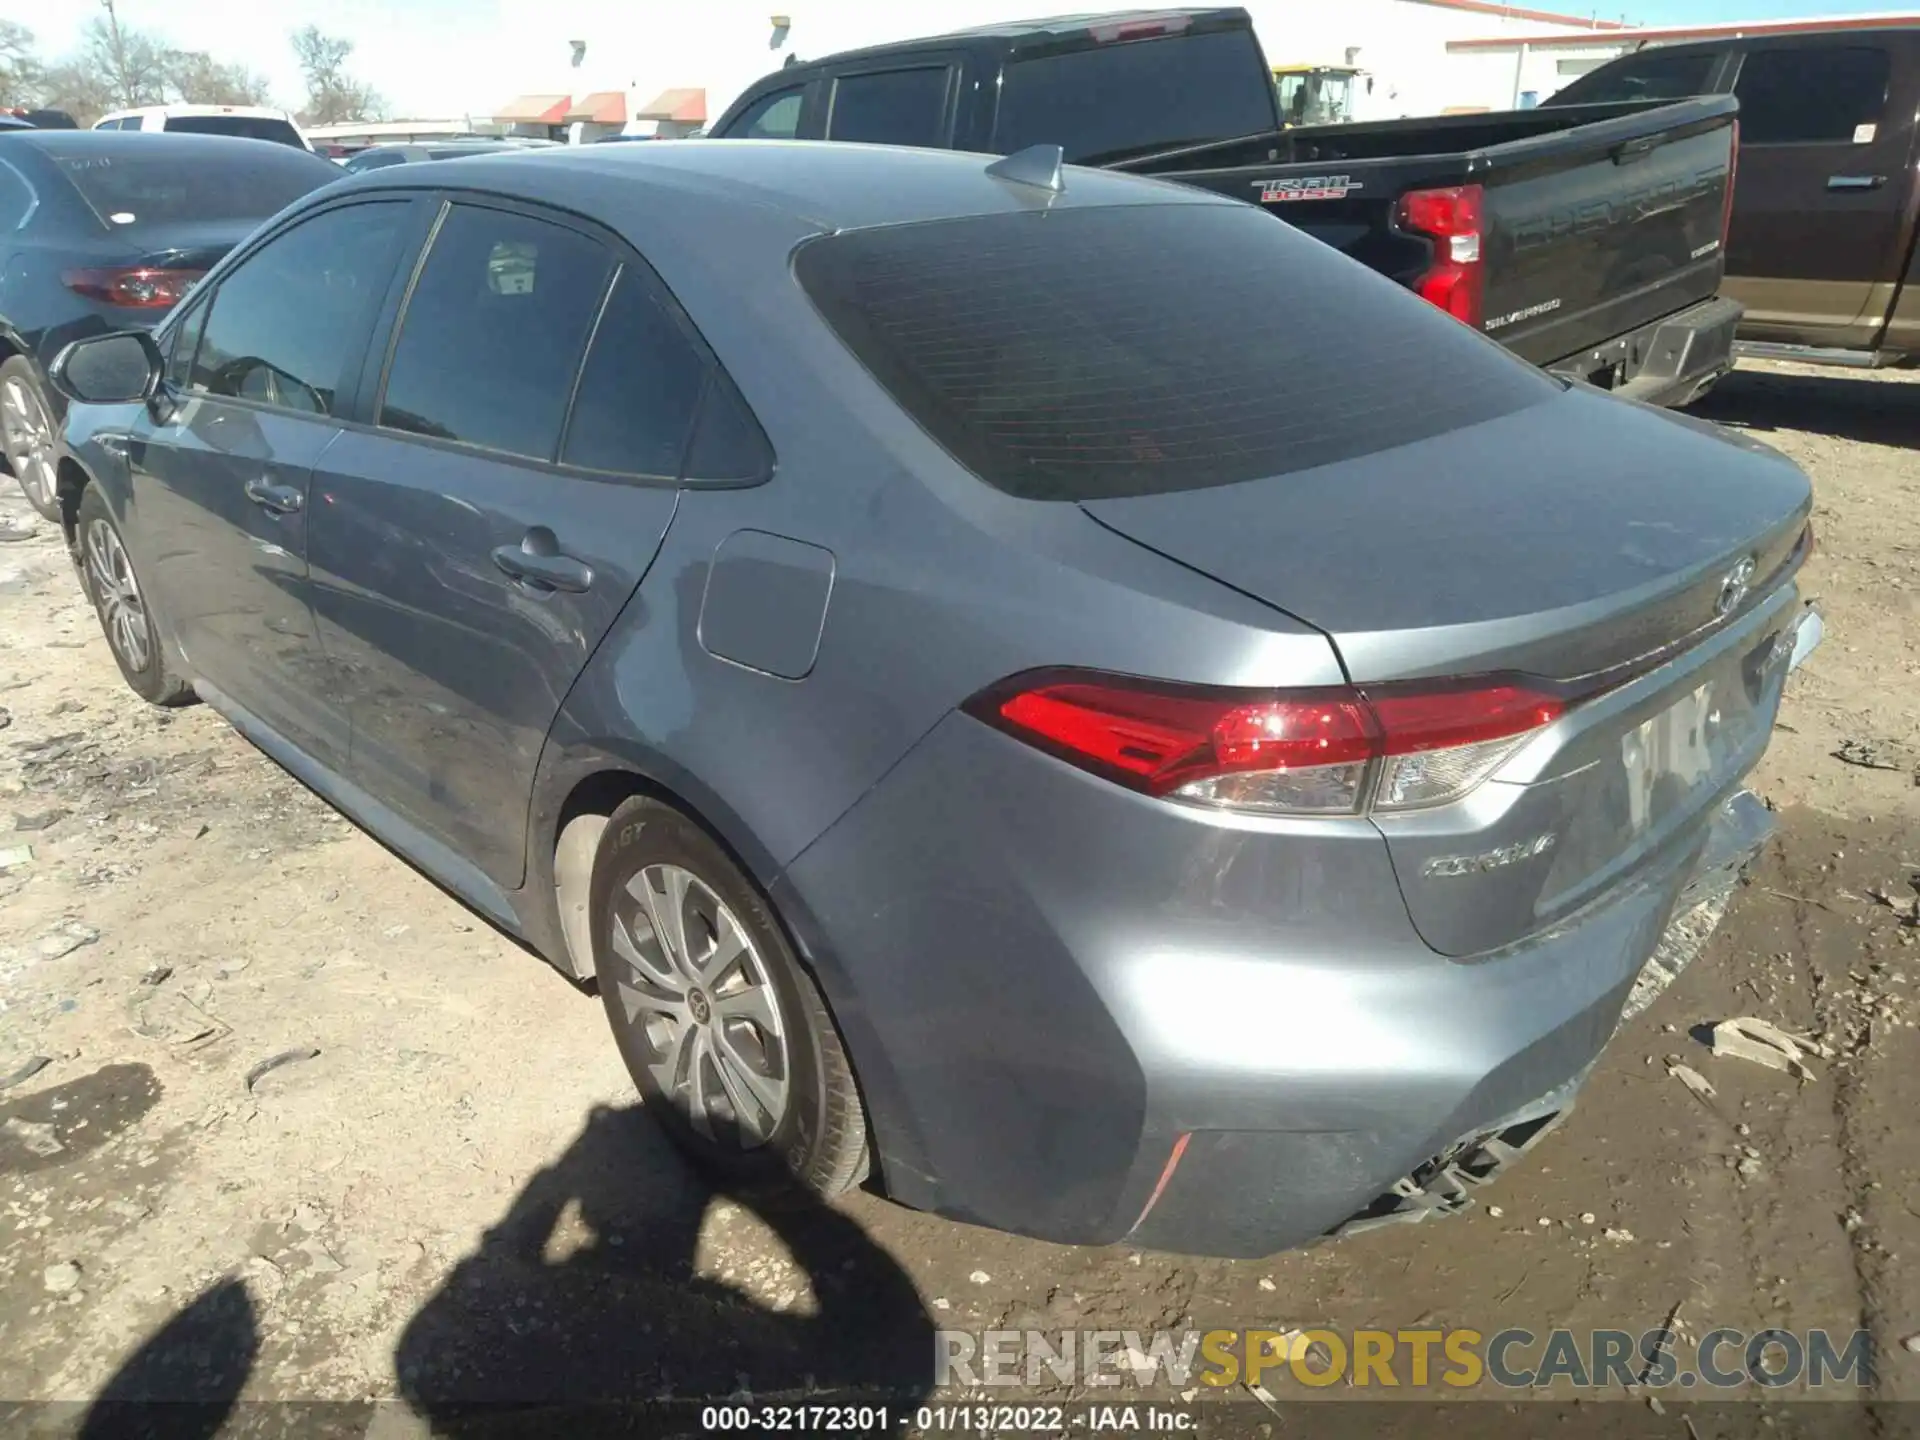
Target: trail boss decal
<point>1311,187</point>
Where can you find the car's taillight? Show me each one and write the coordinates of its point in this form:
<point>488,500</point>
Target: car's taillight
<point>1456,280</point>
<point>1341,751</point>
<point>1733,172</point>
<point>139,288</point>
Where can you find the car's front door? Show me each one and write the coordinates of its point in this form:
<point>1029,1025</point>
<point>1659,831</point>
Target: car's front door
<point>221,468</point>
<point>472,545</point>
<point>1819,219</point>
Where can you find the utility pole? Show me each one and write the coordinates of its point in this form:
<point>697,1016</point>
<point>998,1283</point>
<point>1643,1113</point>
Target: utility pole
<point>119,54</point>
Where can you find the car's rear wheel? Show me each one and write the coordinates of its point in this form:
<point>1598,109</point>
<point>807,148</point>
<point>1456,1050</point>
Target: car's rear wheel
<point>125,611</point>
<point>724,1032</point>
<point>27,435</point>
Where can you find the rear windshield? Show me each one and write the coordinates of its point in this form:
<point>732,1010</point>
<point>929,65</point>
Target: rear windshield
<point>1091,353</point>
<point>246,127</point>
<point>130,191</point>
<point>1642,77</point>
<point>1132,97</point>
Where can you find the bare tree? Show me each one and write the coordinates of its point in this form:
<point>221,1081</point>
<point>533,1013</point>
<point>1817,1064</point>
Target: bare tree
<point>81,91</point>
<point>333,96</point>
<point>132,65</point>
<point>118,68</point>
<point>21,73</point>
<point>196,78</point>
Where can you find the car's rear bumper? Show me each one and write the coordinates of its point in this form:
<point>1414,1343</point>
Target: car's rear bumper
<point>1669,362</point>
<point>1088,1016</point>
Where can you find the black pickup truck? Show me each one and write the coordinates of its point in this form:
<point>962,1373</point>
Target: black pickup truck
<point>1588,240</point>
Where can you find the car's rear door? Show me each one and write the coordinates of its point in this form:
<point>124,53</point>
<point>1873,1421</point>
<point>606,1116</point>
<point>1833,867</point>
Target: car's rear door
<point>475,537</point>
<point>1821,219</point>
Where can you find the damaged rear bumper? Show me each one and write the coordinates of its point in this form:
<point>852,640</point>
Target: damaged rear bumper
<point>1445,1184</point>
<point>1494,1127</point>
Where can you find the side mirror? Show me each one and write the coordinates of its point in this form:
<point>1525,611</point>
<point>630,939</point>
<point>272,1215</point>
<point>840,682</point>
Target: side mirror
<point>115,369</point>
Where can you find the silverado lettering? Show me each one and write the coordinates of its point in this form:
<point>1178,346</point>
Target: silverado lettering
<point>1630,209</point>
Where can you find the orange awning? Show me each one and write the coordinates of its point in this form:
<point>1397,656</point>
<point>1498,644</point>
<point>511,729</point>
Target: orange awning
<point>602,107</point>
<point>535,110</point>
<point>686,106</point>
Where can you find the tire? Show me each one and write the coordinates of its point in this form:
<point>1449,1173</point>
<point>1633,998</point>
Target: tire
<point>126,614</point>
<point>710,1041</point>
<point>27,435</point>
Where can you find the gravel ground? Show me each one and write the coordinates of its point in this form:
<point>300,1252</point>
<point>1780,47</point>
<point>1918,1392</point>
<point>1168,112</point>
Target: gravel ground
<point>443,1191</point>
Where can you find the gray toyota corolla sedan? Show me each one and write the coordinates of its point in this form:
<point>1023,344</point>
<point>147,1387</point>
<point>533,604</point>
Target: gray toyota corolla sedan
<point>1081,704</point>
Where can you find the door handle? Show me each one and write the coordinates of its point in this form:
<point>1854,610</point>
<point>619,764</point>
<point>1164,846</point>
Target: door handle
<point>536,562</point>
<point>275,499</point>
<point>1855,182</point>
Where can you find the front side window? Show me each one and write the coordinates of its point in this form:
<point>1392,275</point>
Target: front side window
<point>494,332</point>
<point>1831,94</point>
<point>288,326</point>
<point>184,345</point>
<point>771,117</point>
<point>891,107</point>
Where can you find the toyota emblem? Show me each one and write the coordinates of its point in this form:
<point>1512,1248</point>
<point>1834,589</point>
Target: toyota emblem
<point>1734,587</point>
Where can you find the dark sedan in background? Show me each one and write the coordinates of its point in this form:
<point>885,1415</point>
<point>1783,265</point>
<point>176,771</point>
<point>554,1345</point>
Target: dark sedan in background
<point>409,152</point>
<point>101,230</point>
<point>1083,702</point>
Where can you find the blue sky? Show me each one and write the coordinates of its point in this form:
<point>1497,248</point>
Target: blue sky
<point>1710,12</point>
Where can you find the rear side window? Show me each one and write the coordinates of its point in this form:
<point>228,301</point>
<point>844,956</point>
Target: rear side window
<point>639,388</point>
<point>493,334</point>
<point>244,127</point>
<point>1831,93</point>
<point>129,190</point>
<point>1091,353</point>
<point>771,117</point>
<point>1131,97</point>
<point>287,327</point>
<point>891,107</point>
<point>1645,77</point>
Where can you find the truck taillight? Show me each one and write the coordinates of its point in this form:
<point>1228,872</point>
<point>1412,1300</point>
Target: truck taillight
<point>1456,280</point>
<point>1339,751</point>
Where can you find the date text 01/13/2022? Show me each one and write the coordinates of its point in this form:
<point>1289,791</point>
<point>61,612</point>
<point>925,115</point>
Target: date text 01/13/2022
<point>948,1419</point>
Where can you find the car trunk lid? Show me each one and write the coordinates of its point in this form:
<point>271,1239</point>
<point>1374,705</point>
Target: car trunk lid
<point>1642,563</point>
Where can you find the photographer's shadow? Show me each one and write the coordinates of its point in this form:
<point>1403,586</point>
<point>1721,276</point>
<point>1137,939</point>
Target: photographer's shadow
<point>585,1294</point>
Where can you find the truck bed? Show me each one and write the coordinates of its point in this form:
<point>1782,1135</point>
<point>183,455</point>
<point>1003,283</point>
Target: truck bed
<point>1597,220</point>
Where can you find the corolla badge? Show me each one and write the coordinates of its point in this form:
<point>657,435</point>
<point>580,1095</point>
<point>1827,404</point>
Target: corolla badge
<point>1734,587</point>
<point>1448,866</point>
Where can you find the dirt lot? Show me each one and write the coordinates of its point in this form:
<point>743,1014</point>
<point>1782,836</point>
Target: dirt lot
<point>446,1194</point>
